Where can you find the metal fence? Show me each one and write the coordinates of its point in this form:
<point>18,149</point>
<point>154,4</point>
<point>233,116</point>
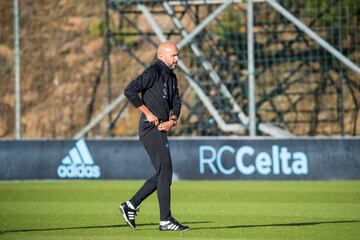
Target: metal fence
<point>70,74</point>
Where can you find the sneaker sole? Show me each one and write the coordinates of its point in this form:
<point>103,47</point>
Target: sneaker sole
<point>124,216</point>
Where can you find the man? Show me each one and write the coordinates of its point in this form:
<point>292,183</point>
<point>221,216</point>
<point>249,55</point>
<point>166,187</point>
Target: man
<point>160,107</point>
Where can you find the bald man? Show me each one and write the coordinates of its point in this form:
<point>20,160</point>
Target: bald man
<point>160,105</point>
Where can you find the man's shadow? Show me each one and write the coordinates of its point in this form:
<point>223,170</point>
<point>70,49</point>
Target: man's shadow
<point>189,223</point>
<point>84,227</point>
<point>299,224</point>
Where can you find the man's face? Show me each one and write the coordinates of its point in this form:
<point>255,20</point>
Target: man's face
<point>171,57</point>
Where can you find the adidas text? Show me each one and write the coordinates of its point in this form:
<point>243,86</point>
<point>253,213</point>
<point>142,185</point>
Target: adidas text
<point>78,171</point>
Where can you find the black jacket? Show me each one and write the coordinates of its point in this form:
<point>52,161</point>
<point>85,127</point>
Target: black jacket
<point>159,92</point>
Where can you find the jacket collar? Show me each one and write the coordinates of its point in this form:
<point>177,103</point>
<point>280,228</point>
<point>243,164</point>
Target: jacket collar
<point>163,66</point>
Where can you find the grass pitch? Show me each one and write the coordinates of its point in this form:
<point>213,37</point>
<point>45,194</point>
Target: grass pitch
<point>213,209</point>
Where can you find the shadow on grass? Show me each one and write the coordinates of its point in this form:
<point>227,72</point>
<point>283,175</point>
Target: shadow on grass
<point>300,224</point>
<point>85,227</point>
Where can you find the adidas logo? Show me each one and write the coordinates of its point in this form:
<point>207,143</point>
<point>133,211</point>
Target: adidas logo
<point>78,163</point>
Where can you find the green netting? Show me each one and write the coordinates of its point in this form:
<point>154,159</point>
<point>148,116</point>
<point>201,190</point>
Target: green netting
<point>300,86</point>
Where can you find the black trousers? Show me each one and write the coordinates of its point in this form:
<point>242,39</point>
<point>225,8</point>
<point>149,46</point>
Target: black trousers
<point>157,147</point>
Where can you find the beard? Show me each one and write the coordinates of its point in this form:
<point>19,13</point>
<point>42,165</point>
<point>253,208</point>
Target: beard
<point>173,66</point>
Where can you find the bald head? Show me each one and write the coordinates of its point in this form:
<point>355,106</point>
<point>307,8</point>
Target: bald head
<point>169,54</point>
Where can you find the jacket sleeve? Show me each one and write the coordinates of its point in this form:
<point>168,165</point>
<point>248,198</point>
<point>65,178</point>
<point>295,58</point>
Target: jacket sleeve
<point>138,85</point>
<point>176,107</point>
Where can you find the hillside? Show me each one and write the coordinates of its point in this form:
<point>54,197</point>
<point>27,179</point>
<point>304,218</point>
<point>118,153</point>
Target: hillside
<point>300,86</point>
<point>61,54</point>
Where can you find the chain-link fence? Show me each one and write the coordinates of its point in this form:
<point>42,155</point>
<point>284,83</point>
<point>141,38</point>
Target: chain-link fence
<point>61,51</point>
<point>66,81</point>
<point>301,85</point>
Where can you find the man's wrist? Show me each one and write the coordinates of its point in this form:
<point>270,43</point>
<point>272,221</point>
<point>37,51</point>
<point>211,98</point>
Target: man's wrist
<point>173,117</point>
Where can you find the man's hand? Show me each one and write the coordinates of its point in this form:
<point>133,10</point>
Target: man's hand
<point>165,126</point>
<point>152,118</point>
<point>149,115</point>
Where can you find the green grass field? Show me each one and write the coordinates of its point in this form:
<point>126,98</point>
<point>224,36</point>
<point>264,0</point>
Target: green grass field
<point>213,209</point>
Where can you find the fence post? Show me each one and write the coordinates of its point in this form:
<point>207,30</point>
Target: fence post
<point>107,62</point>
<point>251,69</point>
<point>17,71</point>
